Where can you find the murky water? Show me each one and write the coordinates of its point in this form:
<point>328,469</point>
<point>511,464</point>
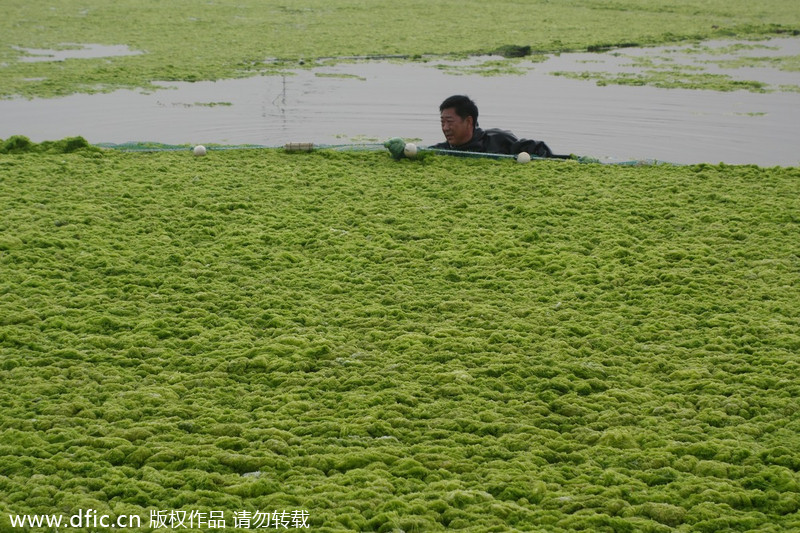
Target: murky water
<point>376,100</point>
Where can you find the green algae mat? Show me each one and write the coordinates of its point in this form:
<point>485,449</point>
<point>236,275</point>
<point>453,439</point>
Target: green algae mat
<point>190,41</point>
<point>372,345</point>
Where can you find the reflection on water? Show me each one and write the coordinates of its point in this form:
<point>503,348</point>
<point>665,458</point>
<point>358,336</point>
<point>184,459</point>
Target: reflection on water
<point>377,100</point>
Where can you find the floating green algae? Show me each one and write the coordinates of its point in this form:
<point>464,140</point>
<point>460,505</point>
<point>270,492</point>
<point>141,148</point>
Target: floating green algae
<point>421,345</point>
<point>19,144</point>
<point>185,41</point>
<point>340,75</point>
<point>786,63</point>
<point>687,68</point>
<point>673,78</point>
<point>489,67</point>
<point>212,104</point>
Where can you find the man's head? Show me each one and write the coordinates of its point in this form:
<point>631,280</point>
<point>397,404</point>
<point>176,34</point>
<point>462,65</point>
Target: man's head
<point>459,116</point>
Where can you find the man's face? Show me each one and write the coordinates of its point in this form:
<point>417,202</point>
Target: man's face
<point>456,130</point>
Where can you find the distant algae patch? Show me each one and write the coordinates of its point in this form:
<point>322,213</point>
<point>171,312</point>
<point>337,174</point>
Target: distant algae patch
<point>687,67</point>
<point>431,345</point>
<point>133,48</point>
<point>673,78</point>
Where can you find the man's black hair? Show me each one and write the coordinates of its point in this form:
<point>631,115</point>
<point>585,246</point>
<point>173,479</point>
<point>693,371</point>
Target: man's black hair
<point>463,106</point>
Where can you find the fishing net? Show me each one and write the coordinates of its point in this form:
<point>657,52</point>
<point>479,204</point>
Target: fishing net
<point>20,144</point>
<point>289,147</point>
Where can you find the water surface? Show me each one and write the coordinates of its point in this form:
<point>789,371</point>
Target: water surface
<point>375,100</point>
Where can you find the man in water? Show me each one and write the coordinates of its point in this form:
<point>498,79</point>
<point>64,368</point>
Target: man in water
<point>459,117</point>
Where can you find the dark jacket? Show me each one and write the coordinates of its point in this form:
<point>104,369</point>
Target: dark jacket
<point>496,141</point>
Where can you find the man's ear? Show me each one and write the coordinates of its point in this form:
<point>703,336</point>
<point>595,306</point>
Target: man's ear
<point>471,122</point>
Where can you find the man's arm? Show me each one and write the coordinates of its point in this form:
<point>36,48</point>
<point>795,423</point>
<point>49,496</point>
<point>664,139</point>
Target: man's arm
<point>534,148</point>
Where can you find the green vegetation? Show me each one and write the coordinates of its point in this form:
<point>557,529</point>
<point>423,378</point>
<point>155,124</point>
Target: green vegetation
<point>674,78</point>
<point>416,345</point>
<point>787,63</point>
<point>429,345</point>
<point>682,68</point>
<point>341,76</point>
<point>489,67</point>
<point>212,104</point>
<point>19,144</point>
<point>184,40</point>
